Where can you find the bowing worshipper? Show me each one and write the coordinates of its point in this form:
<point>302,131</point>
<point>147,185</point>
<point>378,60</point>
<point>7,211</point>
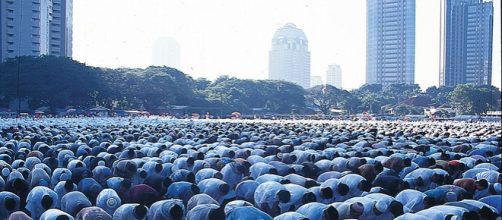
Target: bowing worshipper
<point>300,180</point>
<point>236,204</point>
<point>90,187</point>
<point>182,190</point>
<point>482,189</point>
<point>73,202</point>
<point>368,210</point>
<point>357,185</point>
<point>206,211</point>
<point>124,168</point>
<point>246,213</point>
<point>329,175</point>
<point>386,207</point>
<point>207,173</point>
<point>299,196</point>
<point>158,182</point>
<point>261,168</point>
<point>60,174</point>
<point>272,177</point>
<point>56,214</point>
<point>101,174</point>
<point>19,215</point>
<point>39,177</point>
<point>494,201</point>
<point>318,211</point>
<point>483,210</point>
<point>93,213</point>
<point>245,190</point>
<point>200,199</point>
<point>413,200</point>
<point>39,200</point>
<point>369,171</point>
<point>9,203</point>
<point>441,195</point>
<point>172,209</point>
<point>454,211</point>
<point>333,190</point>
<point>233,173</point>
<point>391,184</point>
<point>217,189</point>
<point>142,194</point>
<point>130,211</point>
<point>291,216</point>
<point>424,179</point>
<point>120,185</point>
<point>270,196</point>
<point>468,184</point>
<point>20,187</point>
<point>64,187</point>
<point>182,175</point>
<point>283,169</point>
<point>412,216</point>
<point>108,200</point>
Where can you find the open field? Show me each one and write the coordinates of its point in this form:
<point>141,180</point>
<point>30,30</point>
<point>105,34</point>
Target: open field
<point>160,168</point>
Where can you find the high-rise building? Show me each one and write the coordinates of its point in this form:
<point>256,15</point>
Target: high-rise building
<point>35,27</point>
<point>334,76</point>
<point>62,28</point>
<point>289,58</point>
<point>466,42</point>
<point>390,41</point>
<point>316,81</point>
<point>166,52</point>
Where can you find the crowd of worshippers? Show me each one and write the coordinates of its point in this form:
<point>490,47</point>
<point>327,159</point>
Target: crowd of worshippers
<point>96,168</point>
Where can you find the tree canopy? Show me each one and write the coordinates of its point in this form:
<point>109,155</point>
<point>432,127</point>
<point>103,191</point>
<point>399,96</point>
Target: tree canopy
<point>58,82</point>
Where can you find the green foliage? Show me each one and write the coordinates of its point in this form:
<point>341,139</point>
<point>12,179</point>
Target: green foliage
<point>468,99</point>
<point>50,81</point>
<point>243,95</point>
<point>61,82</point>
<point>325,97</point>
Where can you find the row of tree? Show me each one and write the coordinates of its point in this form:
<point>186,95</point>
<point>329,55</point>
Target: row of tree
<point>60,82</point>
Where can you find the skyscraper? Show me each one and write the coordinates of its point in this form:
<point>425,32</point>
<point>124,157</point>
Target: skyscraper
<point>390,41</point>
<point>316,81</point>
<point>334,76</point>
<point>289,58</point>
<point>466,42</point>
<point>35,27</point>
<point>166,52</point>
<point>61,28</point>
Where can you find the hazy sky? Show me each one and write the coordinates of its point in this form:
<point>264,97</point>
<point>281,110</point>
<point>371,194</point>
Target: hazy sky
<point>233,37</point>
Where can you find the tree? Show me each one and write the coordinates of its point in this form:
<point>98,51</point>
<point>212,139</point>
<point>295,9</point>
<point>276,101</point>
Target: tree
<point>468,99</point>
<point>440,95</point>
<point>324,97</point>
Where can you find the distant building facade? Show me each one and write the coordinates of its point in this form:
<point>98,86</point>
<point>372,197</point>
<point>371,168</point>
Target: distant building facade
<point>166,52</point>
<point>467,42</point>
<point>390,41</point>
<point>316,81</point>
<point>334,76</point>
<point>289,58</point>
<point>35,28</point>
<point>61,28</point>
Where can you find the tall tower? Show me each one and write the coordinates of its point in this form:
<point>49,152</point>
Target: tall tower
<point>62,28</point>
<point>24,28</point>
<point>35,28</point>
<point>467,41</point>
<point>289,58</point>
<point>334,76</point>
<point>390,41</point>
<point>166,52</point>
